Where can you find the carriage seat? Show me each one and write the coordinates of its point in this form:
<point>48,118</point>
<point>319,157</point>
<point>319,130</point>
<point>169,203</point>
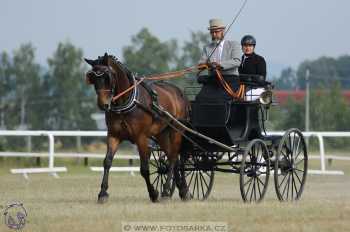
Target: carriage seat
<point>228,122</point>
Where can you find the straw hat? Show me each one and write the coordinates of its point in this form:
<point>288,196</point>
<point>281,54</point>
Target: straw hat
<point>216,24</point>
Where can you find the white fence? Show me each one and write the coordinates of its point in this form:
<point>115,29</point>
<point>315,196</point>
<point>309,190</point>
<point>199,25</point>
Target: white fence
<point>51,152</point>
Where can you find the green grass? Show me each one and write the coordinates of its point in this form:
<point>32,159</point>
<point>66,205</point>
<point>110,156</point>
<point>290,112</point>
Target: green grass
<point>69,203</point>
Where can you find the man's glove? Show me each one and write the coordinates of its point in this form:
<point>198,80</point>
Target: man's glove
<point>202,66</point>
<point>215,65</point>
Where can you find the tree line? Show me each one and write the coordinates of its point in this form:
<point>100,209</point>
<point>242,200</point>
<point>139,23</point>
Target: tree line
<point>55,97</point>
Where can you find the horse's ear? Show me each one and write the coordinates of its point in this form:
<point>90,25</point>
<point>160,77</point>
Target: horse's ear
<point>105,59</point>
<point>90,62</point>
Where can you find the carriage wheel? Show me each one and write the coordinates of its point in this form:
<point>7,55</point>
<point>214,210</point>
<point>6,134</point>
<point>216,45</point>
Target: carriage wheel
<point>255,171</point>
<point>158,170</point>
<point>199,175</point>
<point>291,166</point>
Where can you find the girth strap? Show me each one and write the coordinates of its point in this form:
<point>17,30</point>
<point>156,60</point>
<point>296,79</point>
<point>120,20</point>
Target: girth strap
<point>152,92</point>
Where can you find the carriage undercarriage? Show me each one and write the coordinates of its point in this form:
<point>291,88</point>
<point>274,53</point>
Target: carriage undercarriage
<point>254,163</point>
<point>254,156</point>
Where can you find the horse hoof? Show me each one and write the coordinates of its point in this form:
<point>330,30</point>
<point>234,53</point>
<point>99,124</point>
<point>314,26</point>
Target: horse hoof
<point>166,194</point>
<point>186,197</point>
<point>154,196</point>
<point>102,198</point>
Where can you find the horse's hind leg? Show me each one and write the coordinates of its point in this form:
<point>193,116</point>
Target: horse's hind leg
<point>167,185</point>
<point>144,153</point>
<point>180,181</point>
<point>170,142</point>
<point>112,146</point>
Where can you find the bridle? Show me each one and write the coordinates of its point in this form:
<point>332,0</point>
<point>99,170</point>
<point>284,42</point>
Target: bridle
<point>113,80</point>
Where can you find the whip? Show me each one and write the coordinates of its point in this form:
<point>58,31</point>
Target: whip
<point>229,27</point>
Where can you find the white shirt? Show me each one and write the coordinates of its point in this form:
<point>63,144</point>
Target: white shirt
<point>218,53</point>
<point>220,48</point>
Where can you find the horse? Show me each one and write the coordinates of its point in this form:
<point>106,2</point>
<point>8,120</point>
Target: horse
<point>131,117</point>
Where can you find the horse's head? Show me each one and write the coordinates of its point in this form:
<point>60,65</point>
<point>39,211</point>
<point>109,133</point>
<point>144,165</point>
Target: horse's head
<point>103,75</point>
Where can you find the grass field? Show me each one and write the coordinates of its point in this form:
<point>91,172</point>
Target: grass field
<point>69,203</point>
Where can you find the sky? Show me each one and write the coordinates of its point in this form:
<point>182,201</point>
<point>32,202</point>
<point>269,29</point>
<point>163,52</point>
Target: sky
<point>287,32</point>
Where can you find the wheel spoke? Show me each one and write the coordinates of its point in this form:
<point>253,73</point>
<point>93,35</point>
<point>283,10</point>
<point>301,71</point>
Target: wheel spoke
<point>295,173</point>
<point>158,177</point>
<point>301,150</point>
<point>288,185</point>
<point>152,173</point>
<point>290,143</point>
<point>194,185</point>
<point>161,182</point>
<point>204,180</point>
<point>282,181</point>
<point>254,189</point>
<point>299,161</point>
<point>293,150</point>
<point>259,187</point>
<point>207,173</point>
<point>153,164</point>
<point>299,170</point>
<point>189,184</point>
<point>155,159</point>
<point>251,193</point>
<point>297,149</point>
<point>261,181</point>
<point>285,155</point>
<point>155,179</point>
<point>197,181</point>
<point>246,194</point>
<point>188,173</point>
<point>292,185</point>
<point>296,190</point>
<point>200,178</point>
<point>249,181</point>
<point>285,186</point>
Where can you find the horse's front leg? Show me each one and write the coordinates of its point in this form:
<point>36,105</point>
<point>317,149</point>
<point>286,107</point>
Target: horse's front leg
<point>144,153</point>
<point>112,146</point>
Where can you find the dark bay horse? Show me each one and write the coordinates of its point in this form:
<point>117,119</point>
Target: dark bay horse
<point>131,118</point>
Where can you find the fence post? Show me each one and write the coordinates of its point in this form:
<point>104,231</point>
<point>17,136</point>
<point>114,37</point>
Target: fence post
<point>323,159</point>
<point>51,150</point>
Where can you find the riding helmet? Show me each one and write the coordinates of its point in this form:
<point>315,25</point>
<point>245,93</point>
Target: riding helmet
<point>248,39</point>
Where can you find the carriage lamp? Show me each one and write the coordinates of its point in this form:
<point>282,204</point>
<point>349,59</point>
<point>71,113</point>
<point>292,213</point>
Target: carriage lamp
<point>266,97</point>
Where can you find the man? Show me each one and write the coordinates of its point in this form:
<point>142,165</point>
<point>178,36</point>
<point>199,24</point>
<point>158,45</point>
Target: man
<point>226,55</point>
<point>252,64</point>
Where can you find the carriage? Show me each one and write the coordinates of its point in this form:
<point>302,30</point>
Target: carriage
<point>225,134</point>
<point>230,136</point>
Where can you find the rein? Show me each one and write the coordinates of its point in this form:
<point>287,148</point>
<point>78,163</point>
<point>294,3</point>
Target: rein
<point>169,75</point>
<point>238,95</point>
<point>162,76</point>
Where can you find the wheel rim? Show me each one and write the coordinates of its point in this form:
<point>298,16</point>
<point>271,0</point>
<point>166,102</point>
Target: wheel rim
<point>199,177</point>
<point>254,171</point>
<point>291,166</point>
<point>158,169</point>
